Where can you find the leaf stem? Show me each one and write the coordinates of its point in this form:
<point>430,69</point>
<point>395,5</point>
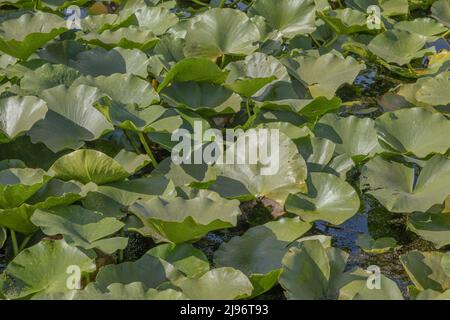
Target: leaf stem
<point>200,3</point>
<point>314,40</point>
<point>147,149</point>
<point>247,105</point>
<point>15,247</point>
<point>25,242</point>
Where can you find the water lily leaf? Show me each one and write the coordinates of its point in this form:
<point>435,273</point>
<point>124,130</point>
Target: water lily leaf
<point>441,11</point>
<point>71,118</point>
<point>54,193</point>
<point>435,90</point>
<point>433,295</point>
<point>353,136</point>
<point>48,76</point>
<point>290,17</point>
<point>425,270</point>
<point>156,19</point>
<point>19,184</point>
<point>101,62</point>
<point>89,165</point>
<point>131,37</point>
<point>123,88</point>
<point>218,32</point>
<point>194,69</point>
<point>18,115</point>
<point>149,270</point>
<point>329,198</point>
<point>49,260</point>
<point>80,227</point>
<point>131,291</point>
<point>259,251</point>
<point>431,227</point>
<point>22,36</point>
<point>345,21</point>
<point>248,87</point>
<point>427,27</point>
<point>308,268</point>
<point>399,46</point>
<point>325,74</point>
<point>177,220</point>
<point>394,185</point>
<point>378,246</point>
<point>248,181</point>
<point>425,136</point>
<point>233,285</point>
<point>446,263</point>
<point>3,236</point>
<point>184,257</point>
<point>354,286</point>
<point>313,271</point>
<point>205,98</point>
<point>62,52</point>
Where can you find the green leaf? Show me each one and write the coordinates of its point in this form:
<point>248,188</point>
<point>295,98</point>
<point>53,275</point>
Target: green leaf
<point>219,32</point>
<point>101,62</point>
<point>290,17</point>
<point>177,220</point>
<point>378,246</point>
<point>205,98</point>
<point>18,115</point>
<point>441,11</point>
<point>249,181</point>
<point>431,227</point>
<point>48,76</point>
<point>427,27</point>
<point>71,118</point>
<point>435,91</point>
<point>157,19</point>
<point>19,184</point>
<point>329,198</point>
<point>353,136</point>
<point>398,46</point>
<point>425,270</point>
<point>323,75</point>
<point>184,257</point>
<point>149,270</point>
<point>42,269</point>
<point>233,285</point>
<point>89,165</point>
<point>427,134</point>
<point>345,21</point>
<point>80,227</point>
<point>394,184</point>
<point>194,69</point>
<point>23,36</point>
<point>123,88</point>
<point>131,37</point>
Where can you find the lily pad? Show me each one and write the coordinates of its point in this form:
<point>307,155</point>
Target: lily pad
<point>378,246</point>
<point>431,227</point>
<point>89,165</point>
<point>329,198</point>
<point>290,17</point>
<point>425,136</point>
<point>18,115</point>
<point>80,227</point>
<point>23,36</point>
<point>394,184</point>
<point>49,261</point>
<point>177,220</point>
<point>71,118</point>
<point>219,32</point>
<point>399,46</point>
<point>353,136</point>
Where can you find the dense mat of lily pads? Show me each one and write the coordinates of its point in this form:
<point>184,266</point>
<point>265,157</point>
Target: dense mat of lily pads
<point>86,117</point>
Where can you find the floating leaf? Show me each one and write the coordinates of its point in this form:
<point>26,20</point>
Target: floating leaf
<point>329,198</point>
<point>394,184</point>
<point>42,269</point>
<point>89,165</point>
<point>378,246</point>
<point>431,227</point>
